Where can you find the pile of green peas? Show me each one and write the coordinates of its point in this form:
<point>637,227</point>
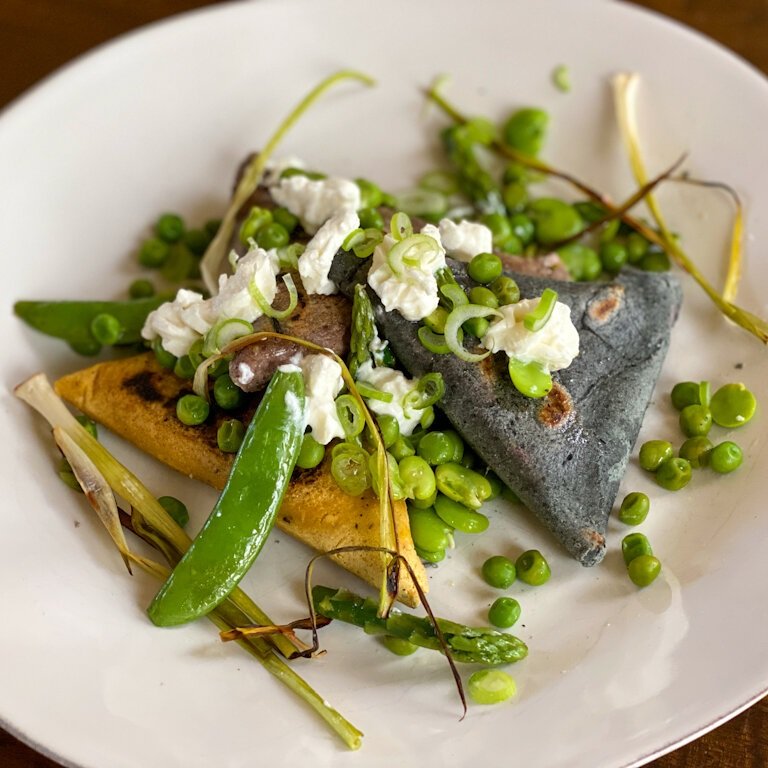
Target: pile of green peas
<point>499,572</point>
<point>174,250</point>
<point>731,406</point>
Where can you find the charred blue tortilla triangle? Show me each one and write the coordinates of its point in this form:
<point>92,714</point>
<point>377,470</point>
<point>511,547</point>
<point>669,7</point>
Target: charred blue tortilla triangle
<point>563,455</point>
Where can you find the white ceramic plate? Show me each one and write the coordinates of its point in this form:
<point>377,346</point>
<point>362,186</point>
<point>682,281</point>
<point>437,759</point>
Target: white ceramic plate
<point>159,120</point>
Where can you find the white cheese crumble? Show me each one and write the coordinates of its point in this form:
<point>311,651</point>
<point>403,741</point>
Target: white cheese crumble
<point>181,322</point>
<point>465,239</point>
<point>315,201</point>
<point>554,346</point>
<point>316,260</point>
<point>398,385</point>
<point>322,383</point>
<point>413,293</point>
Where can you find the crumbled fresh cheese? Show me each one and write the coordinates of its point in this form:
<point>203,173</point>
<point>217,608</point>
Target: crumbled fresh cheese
<point>167,322</point>
<point>322,383</point>
<point>398,385</point>
<point>316,201</point>
<point>413,293</point>
<point>466,239</point>
<point>181,322</point>
<point>315,262</point>
<point>554,346</point>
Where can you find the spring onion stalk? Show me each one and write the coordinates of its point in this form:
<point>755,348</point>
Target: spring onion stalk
<point>262,303</point>
<point>387,528</point>
<point>750,322</point>
<point>400,226</point>
<point>422,202</point>
<point>435,342</point>
<point>216,252</point>
<point>223,332</point>
<point>409,252</point>
<point>38,393</point>
<point>371,393</point>
<point>99,494</point>
<point>456,319</point>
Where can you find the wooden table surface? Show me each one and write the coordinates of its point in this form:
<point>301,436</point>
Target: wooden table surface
<point>38,36</point>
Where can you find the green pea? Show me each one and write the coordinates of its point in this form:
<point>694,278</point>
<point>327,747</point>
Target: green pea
<point>484,268</point>
<point>89,425</point>
<point>504,612</point>
<point>230,435</point>
<point>272,235</point>
<point>637,247</point>
<point>463,485</point>
<point>522,227</point>
<point>436,448</point>
<point>431,557</point>
<point>655,261</point>
<point>165,358</point>
<point>695,420</point>
<point>226,393</point>
<point>509,495</point>
<point>257,218</point>
<point>436,320</point>
<point>401,448</point>
<point>526,129</point>
<point>726,457</point>
<point>634,545</point>
<point>653,453</point>
<point>609,232</point>
<point>613,256</point>
<point>634,508</point>
<point>490,686</point>
<point>516,172</point>
<point>170,227</point>
<point>389,428</point>
<point>106,329</point>
<point>398,645</point>
<point>499,572</point>
<point>175,508</point>
<point>512,245</point>
<point>371,195</point>
<point>192,410</point>
<point>674,474</point>
<point>581,261</point>
<point>180,264</point>
<point>197,240</point>
<point>554,220</point>
<point>530,379</point>
<point>499,225</point>
<point>141,289</point>
<point>476,326</point>
<point>532,568</point>
<point>311,453</point>
<point>685,393</point>
<point>459,517</point>
<point>153,253</point>
<point>482,296</point>
<point>428,531</point>
<point>426,503</point>
<point>733,405</point>
<point>515,196</point>
<point>644,569</point>
<point>506,290</point>
<point>285,219</point>
<point>695,450</point>
<point>417,478</point>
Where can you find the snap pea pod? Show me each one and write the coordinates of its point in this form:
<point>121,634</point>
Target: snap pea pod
<point>245,511</point>
<point>466,644</point>
<point>72,320</point>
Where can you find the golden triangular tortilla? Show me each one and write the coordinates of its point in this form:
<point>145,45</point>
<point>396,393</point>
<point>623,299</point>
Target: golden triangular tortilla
<point>135,398</point>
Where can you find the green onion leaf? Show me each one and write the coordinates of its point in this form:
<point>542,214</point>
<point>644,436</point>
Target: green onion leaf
<point>456,319</point>
<point>264,305</point>
<point>350,415</point>
<point>539,316</point>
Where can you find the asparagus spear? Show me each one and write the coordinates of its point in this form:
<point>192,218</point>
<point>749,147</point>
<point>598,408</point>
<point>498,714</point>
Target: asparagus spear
<point>467,644</point>
<point>364,342</point>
